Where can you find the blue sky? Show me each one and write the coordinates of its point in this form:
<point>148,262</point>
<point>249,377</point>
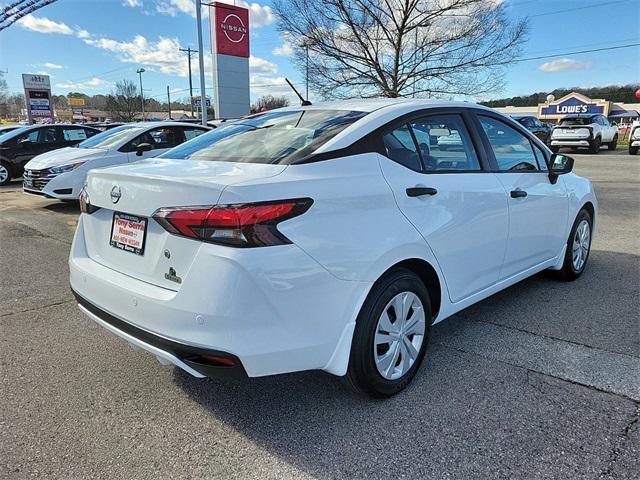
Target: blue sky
<point>87,45</point>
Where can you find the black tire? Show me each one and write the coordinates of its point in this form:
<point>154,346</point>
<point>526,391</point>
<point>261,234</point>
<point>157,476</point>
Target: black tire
<point>595,145</point>
<point>633,150</point>
<point>613,144</point>
<point>555,149</point>
<point>362,374</point>
<point>568,272</point>
<point>4,166</point>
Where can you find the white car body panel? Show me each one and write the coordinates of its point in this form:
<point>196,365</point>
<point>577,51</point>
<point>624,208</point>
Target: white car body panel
<point>294,307</point>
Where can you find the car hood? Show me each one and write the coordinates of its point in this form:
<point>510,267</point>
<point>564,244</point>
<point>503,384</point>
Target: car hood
<point>63,156</point>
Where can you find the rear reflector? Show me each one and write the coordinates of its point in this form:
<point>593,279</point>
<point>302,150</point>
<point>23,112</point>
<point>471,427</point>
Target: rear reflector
<point>240,225</point>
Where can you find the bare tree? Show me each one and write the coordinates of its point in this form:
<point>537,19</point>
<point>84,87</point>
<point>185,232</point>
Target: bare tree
<point>401,47</point>
<point>269,102</point>
<point>124,103</point>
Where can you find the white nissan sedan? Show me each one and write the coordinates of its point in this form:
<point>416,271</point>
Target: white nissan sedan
<point>62,173</point>
<point>325,237</point>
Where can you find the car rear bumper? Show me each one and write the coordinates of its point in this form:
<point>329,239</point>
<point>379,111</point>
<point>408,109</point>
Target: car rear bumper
<point>199,362</point>
<point>274,309</point>
<point>569,143</point>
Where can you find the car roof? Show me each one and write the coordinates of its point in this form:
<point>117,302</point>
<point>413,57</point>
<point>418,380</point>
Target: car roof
<point>168,123</point>
<point>368,105</point>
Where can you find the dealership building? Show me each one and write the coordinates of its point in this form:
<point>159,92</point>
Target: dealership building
<point>554,110</point>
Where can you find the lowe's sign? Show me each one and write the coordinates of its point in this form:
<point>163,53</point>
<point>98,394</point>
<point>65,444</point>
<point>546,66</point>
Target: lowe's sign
<point>572,104</point>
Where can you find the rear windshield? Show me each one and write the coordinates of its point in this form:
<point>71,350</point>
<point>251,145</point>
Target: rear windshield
<point>273,137</point>
<point>577,121</point>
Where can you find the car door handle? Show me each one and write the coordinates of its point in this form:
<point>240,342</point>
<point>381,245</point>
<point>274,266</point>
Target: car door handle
<point>517,193</point>
<point>419,191</point>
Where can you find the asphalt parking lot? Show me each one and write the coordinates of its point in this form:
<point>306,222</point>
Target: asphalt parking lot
<point>539,381</point>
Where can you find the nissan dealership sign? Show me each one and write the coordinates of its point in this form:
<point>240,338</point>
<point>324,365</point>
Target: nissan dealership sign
<point>230,53</point>
<point>37,96</point>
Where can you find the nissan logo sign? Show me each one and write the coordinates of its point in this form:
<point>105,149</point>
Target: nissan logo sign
<point>233,28</point>
<point>115,194</point>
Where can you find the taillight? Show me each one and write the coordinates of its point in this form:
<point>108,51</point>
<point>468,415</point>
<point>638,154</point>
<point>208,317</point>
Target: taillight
<point>239,225</point>
<point>85,203</point>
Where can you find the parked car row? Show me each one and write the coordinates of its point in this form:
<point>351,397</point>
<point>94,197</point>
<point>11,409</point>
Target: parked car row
<point>325,237</point>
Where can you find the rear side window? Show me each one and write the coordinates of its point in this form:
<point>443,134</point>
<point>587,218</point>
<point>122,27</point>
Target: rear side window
<point>444,144</point>
<point>512,150</point>
<point>191,133</point>
<point>281,137</point>
<point>74,134</point>
<point>400,147</point>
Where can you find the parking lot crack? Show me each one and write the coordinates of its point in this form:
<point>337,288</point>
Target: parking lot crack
<point>621,442</point>
<point>40,307</point>
<point>551,337</point>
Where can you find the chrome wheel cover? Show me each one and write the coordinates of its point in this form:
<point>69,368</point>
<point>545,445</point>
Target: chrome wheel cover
<point>399,335</point>
<point>4,174</point>
<point>581,245</point>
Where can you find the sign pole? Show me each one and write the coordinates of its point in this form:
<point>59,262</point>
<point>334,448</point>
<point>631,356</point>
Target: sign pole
<point>203,100</point>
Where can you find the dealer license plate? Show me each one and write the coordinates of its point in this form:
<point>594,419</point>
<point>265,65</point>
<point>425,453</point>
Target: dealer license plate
<point>128,232</point>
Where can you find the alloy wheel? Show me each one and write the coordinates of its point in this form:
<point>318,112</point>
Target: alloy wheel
<point>581,245</point>
<point>4,174</point>
<point>399,335</point>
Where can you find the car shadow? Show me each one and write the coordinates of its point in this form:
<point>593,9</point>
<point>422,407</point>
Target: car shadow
<point>464,415</point>
<point>67,206</point>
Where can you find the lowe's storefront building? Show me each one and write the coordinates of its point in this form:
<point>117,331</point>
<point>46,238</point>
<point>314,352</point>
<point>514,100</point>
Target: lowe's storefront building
<point>553,111</point>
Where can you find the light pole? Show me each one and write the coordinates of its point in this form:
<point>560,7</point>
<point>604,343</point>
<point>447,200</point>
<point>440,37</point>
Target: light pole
<point>203,99</point>
<point>140,71</point>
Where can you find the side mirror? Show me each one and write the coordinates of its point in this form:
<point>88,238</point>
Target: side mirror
<point>559,165</point>
<point>143,147</point>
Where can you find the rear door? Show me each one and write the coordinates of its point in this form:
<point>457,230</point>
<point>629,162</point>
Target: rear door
<point>538,209</point>
<point>436,173</point>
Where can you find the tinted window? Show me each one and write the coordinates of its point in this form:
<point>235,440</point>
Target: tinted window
<point>40,135</point>
<point>165,137</point>
<point>511,148</point>
<point>400,147</point>
<point>444,143</point>
<point>578,121</point>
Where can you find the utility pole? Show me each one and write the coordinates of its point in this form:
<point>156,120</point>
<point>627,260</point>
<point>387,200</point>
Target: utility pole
<point>203,98</point>
<point>169,102</point>
<point>140,71</point>
<point>307,73</point>
<point>189,52</point>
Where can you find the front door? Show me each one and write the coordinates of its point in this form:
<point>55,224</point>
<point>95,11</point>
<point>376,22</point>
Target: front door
<point>538,209</point>
<point>434,171</point>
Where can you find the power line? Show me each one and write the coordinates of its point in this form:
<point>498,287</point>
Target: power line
<point>556,12</point>
<point>576,53</point>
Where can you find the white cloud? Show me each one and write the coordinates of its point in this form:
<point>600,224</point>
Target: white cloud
<point>163,54</point>
<point>259,65</point>
<point>284,50</point>
<point>132,3</point>
<point>80,33</point>
<point>55,66</point>
<point>44,25</point>
<point>259,15</point>
<point>91,84</point>
<point>563,65</point>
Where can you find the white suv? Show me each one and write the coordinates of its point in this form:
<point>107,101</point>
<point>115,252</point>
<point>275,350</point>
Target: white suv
<point>325,237</point>
<point>584,131</point>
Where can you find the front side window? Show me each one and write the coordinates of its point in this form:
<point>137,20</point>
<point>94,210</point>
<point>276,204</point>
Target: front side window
<point>112,137</point>
<point>46,135</point>
<point>512,149</point>
<point>444,143</point>
<point>166,137</point>
<point>281,137</point>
